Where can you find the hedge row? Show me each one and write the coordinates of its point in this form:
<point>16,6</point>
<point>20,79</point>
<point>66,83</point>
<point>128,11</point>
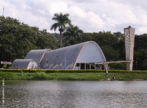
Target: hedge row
<point>49,70</point>
<point>67,71</point>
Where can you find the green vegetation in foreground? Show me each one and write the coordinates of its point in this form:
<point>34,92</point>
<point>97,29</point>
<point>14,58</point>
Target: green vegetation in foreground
<point>87,76</point>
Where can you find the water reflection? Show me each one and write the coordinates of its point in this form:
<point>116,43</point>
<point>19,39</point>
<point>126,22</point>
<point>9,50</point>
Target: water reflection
<point>3,92</point>
<point>76,94</point>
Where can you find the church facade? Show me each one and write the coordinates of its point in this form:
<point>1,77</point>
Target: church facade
<point>80,56</point>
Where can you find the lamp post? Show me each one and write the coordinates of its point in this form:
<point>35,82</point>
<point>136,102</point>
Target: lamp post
<point>3,91</point>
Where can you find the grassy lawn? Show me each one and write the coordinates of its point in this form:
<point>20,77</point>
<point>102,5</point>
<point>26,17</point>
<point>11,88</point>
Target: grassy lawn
<point>87,76</point>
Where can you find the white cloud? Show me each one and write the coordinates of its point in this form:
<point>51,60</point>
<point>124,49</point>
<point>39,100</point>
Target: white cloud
<point>76,11</point>
<point>90,16</point>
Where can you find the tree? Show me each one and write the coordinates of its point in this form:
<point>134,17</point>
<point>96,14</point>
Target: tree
<point>110,53</point>
<point>73,34</point>
<point>17,39</point>
<point>118,34</point>
<point>45,40</point>
<point>62,20</point>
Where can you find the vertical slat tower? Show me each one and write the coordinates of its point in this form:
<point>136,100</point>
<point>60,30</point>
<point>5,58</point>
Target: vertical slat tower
<point>129,46</point>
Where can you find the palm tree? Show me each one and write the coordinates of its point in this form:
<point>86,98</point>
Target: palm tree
<point>73,34</point>
<point>61,21</point>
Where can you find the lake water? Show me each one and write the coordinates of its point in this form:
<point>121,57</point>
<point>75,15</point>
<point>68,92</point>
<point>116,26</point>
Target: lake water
<point>73,94</point>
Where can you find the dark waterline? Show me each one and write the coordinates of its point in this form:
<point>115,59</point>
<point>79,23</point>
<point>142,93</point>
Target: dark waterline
<point>73,94</point>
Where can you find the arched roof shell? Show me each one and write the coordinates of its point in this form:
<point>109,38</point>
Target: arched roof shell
<point>36,54</point>
<point>69,56</point>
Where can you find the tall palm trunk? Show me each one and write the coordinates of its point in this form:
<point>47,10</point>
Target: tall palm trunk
<point>61,38</point>
<point>61,21</point>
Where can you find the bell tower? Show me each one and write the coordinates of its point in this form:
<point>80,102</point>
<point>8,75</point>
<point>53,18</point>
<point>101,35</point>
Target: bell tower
<point>129,46</point>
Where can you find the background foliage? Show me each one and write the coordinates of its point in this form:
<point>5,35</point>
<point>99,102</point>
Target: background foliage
<point>17,39</point>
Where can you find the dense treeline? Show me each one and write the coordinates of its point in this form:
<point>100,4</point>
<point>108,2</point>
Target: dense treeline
<point>17,39</point>
<point>140,52</point>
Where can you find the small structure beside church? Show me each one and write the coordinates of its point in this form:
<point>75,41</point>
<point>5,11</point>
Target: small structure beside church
<point>25,64</point>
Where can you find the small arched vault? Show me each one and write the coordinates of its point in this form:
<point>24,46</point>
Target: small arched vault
<point>73,57</point>
<point>25,64</point>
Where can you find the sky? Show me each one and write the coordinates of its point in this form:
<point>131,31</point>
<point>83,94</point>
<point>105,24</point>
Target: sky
<point>88,15</point>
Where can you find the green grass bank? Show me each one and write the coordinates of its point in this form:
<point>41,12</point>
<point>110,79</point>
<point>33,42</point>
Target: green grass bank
<point>73,75</point>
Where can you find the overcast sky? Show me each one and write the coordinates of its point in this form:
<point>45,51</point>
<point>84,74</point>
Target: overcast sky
<point>88,15</point>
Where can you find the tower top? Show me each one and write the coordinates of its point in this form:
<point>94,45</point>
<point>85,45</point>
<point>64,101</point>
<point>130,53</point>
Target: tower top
<point>129,27</point>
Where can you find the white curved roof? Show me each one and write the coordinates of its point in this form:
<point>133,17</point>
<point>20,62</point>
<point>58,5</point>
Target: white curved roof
<point>91,52</point>
<point>36,54</point>
<point>69,56</point>
<point>21,63</point>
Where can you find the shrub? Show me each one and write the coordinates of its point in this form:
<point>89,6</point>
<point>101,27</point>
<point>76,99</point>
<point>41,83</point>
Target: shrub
<point>4,66</point>
<point>40,76</point>
<point>7,75</point>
